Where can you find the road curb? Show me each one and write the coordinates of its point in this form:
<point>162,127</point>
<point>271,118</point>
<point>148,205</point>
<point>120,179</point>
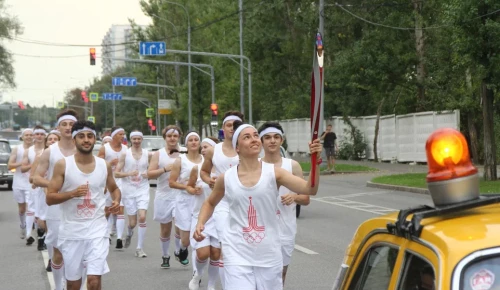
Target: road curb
<point>397,187</point>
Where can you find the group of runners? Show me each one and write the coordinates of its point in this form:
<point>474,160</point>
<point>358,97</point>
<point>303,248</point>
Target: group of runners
<point>232,206</point>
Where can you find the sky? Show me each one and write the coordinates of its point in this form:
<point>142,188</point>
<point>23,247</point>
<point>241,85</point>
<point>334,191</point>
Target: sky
<point>43,81</point>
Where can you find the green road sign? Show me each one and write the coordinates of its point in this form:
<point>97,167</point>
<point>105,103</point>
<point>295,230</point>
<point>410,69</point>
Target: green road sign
<point>91,119</point>
<point>150,112</point>
<point>60,105</point>
<point>94,97</point>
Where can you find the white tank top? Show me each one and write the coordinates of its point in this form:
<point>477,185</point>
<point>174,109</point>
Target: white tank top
<point>221,164</point>
<point>21,180</point>
<point>286,213</point>
<point>135,185</point>
<point>252,237</point>
<point>110,155</point>
<point>163,189</point>
<point>186,168</point>
<point>83,217</point>
<point>54,211</point>
<point>200,199</point>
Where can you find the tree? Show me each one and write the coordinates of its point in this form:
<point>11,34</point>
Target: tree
<point>9,28</point>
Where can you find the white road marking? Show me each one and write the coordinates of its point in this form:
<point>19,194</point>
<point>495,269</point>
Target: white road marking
<point>304,250</point>
<point>361,206</point>
<point>360,194</point>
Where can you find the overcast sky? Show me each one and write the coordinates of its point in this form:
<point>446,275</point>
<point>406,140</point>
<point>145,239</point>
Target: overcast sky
<point>44,80</point>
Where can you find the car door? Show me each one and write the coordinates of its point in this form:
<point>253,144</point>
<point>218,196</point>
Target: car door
<point>420,268</point>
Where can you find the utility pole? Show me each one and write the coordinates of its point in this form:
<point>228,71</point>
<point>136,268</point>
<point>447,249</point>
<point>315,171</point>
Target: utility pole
<point>242,81</point>
<point>322,31</point>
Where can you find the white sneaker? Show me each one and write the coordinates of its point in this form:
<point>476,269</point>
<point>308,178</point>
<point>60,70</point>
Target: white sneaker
<point>128,239</point>
<point>140,253</point>
<point>23,233</point>
<point>194,284</point>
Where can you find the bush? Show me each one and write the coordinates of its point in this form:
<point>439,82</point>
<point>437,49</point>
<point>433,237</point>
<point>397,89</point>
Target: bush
<point>353,147</point>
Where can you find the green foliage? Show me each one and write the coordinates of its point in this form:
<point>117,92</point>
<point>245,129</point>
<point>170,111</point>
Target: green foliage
<point>9,28</point>
<point>353,146</point>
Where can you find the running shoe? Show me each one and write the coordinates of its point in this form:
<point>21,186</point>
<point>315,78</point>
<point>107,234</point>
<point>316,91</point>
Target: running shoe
<point>139,253</point>
<point>30,241</point>
<point>166,262</point>
<point>183,257</point>
<point>119,244</point>
<point>195,282</point>
<point>23,233</point>
<point>49,268</point>
<point>128,239</point>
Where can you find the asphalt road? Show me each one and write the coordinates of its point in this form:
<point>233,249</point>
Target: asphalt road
<point>325,228</point>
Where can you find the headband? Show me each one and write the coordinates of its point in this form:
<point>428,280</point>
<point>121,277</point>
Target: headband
<point>66,117</point>
<point>209,141</point>
<point>85,129</point>
<point>189,135</point>
<point>116,132</point>
<point>136,134</point>
<point>39,131</point>
<point>172,131</point>
<point>26,130</point>
<point>270,130</point>
<point>106,138</point>
<point>238,131</point>
<point>230,118</point>
<point>55,132</point>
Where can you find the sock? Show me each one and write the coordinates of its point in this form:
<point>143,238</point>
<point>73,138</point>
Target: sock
<point>50,250</point>
<point>221,274</point>
<point>177,243</point>
<point>115,218</point>
<point>130,231</point>
<point>183,248</point>
<point>22,219</point>
<point>165,244</point>
<point>84,278</point>
<point>120,226</point>
<point>194,259</point>
<point>110,223</point>
<point>200,265</point>
<point>142,232</point>
<point>213,273</point>
<point>58,272</point>
<point>30,219</point>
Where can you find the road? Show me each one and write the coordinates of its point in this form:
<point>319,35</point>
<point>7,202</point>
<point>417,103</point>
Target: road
<point>325,228</point>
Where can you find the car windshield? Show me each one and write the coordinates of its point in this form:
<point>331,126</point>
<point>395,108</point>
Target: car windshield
<point>153,143</point>
<point>481,274</point>
<point>4,147</point>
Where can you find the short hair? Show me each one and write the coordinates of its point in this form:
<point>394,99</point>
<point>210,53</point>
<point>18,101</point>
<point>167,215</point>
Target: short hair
<point>270,124</point>
<point>70,112</point>
<point>234,113</point>
<point>329,125</point>
<point>216,141</point>
<point>82,123</point>
<point>164,131</point>
<point>47,138</point>
<point>39,127</point>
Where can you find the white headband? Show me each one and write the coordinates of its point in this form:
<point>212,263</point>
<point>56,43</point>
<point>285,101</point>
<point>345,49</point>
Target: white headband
<point>106,138</point>
<point>85,129</point>
<point>270,130</point>
<point>66,117</point>
<point>39,131</point>
<point>116,132</point>
<point>26,130</point>
<point>189,135</point>
<point>230,118</point>
<point>238,131</point>
<point>172,131</point>
<point>136,134</point>
<point>209,141</point>
<point>55,132</point>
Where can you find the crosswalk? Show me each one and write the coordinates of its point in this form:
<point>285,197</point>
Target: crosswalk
<point>344,201</point>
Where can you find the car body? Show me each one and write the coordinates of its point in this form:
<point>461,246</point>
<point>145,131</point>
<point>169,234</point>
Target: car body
<point>153,143</point>
<point>6,175</point>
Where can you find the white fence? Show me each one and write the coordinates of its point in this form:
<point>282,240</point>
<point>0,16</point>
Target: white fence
<point>400,138</point>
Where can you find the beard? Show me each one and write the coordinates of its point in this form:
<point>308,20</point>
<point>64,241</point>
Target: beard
<point>83,150</point>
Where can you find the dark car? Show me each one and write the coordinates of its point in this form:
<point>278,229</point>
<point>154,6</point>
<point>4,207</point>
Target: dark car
<point>6,175</point>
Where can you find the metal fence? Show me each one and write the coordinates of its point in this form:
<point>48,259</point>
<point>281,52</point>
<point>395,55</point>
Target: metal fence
<point>401,138</point>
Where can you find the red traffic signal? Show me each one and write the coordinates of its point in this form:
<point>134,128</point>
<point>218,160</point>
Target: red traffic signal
<point>92,56</point>
<point>214,108</point>
<point>84,97</point>
<point>150,122</point>
<point>153,127</point>
<point>21,105</point>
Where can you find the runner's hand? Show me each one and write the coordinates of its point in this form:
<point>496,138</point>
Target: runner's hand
<point>198,236</point>
<point>287,199</point>
<point>114,162</point>
<point>144,175</point>
<point>194,190</point>
<point>80,191</point>
<point>134,173</point>
<point>212,182</point>
<point>167,168</point>
<point>115,207</point>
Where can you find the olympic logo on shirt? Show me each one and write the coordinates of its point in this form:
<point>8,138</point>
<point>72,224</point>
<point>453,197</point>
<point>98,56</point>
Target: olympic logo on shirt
<point>253,233</point>
<point>86,209</point>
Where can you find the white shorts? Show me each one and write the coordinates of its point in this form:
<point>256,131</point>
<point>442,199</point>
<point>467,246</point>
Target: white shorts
<point>32,200</point>
<point>133,204</point>
<point>163,211</point>
<point>286,251</point>
<point>41,205</point>
<point>253,278</point>
<point>209,232</point>
<point>109,200</point>
<point>53,233</point>
<point>184,211</point>
<point>221,222</point>
<point>79,254</point>
<point>21,195</point>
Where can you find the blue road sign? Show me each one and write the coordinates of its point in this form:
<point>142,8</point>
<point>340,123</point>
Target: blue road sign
<point>112,96</point>
<point>152,48</point>
<point>126,82</point>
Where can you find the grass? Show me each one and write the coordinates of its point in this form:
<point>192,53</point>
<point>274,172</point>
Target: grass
<point>306,167</point>
<point>418,180</point>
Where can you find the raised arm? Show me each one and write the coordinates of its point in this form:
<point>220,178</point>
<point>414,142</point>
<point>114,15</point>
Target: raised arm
<point>53,194</point>
<point>12,164</point>
<point>43,165</point>
<point>115,192</point>
<point>206,168</point>
<point>25,163</point>
<point>174,175</point>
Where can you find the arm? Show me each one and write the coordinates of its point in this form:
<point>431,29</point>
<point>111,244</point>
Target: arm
<point>115,192</point>
<point>208,207</point>
<point>174,175</point>
<point>323,136</point>
<point>12,164</point>
<point>33,168</point>
<point>191,185</point>
<point>53,194</point>
<point>26,166</point>
<point>102,152</point>
<point>41,169</point>
<point>119,167</point>
<point>299,198</point>
<point>153,170</point>
<point>206,168</point>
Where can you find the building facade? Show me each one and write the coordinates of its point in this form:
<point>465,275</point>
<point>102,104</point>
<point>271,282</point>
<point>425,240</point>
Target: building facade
<point>114,44</point>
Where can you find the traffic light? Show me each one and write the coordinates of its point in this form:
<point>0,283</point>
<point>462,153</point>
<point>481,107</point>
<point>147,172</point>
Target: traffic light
<point>84,97</point>
<point>214,108</point>
<point>92,56</point>
<point>21,105</point>
<point>150,122</point>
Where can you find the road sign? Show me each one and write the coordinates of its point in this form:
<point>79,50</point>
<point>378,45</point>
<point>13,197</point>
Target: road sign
<point>60,105</point>
<point>152,48</point>
<point>112,96</point>
<point>165,106</point>
<point>126,81</point>
<point>94,97</point>
<point>150,112</point>
<point>91,119</point>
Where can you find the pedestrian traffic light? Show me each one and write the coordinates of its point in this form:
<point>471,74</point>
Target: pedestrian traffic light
<point>84,97</point>
<point>153,128</point>
<point>20,105</point>
<point>92,56</point>
<point>214,108</point>
<point>150,122</point>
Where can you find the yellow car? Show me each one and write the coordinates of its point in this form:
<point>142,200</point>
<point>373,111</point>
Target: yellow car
<point>453,245</point>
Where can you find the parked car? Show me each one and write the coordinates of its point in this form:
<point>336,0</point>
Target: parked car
<point>153,143</point>
<point>6,175</point>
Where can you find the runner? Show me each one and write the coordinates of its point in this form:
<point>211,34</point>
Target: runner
<point>133,169</point>
<point>78,184</point>
<point>28,159</point>
<point>111,217</point>
<point>220,159</point>
<point>21,186</point>
<point>252,249</point>
<point>111,152</point>
<point>271,136</point>
<point>164,204</point>
<point>44,171</point>
<point>210,246</point>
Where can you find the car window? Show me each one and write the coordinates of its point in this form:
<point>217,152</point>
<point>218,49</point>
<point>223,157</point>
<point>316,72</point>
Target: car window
<point>375,270</point>
<point>417,274</point>
<point>4,147</point>
<point>482,274</point>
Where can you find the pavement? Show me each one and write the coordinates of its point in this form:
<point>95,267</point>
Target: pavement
<point>325,229</point>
